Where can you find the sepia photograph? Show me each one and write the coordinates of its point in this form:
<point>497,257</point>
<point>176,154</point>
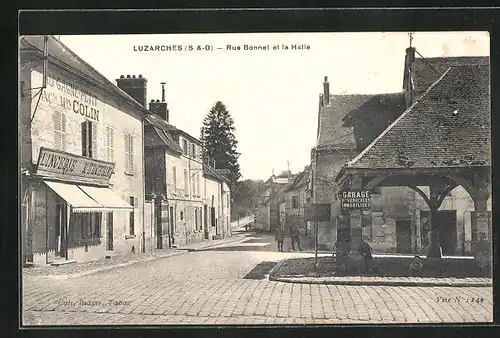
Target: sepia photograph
<point>255,178</point>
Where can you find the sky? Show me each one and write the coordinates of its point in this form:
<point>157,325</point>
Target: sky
<point>272,95</point>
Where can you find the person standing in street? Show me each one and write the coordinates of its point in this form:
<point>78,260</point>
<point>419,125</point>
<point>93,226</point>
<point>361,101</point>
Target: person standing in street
<point>280,237</point>
<point>294,236</point>
<point>366,252</point>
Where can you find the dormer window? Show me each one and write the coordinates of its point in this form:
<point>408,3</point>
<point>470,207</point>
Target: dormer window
<point>193,150</point>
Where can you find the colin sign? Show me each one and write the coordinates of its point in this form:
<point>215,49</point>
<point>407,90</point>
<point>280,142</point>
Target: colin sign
<point>69,165</point>
<point>355,199</point>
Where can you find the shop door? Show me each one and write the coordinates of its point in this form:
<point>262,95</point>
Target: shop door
<point>172,225</point>
<point>61,234</point>
<point>447,223</point>
<point>403,236</point>
<point>109,226</point>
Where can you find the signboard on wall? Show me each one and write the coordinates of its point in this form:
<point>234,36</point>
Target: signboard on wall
<point>355,199</point>
<point>321,211</point>
<point>67,165</point>
<point>68,95</point>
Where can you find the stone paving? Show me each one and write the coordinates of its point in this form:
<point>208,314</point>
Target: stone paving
<point>209,287</point>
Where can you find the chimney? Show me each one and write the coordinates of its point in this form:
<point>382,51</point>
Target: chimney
<point>135,87</point>
<point>160,108</point>
<point>326,92</point>
<point>407,82</point>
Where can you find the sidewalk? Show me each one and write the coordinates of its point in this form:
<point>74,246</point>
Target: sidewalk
<point>86,268</point>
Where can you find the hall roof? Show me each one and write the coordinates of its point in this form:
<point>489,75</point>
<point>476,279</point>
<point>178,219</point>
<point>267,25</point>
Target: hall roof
<point>449,126</point>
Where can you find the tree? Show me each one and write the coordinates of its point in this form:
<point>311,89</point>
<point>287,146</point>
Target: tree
<point>246,197</point>
<point>219,142</point>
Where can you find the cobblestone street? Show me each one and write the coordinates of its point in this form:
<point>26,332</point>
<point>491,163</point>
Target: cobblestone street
<point>231,287</point>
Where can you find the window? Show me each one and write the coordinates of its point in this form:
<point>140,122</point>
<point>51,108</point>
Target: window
<point>174,177</point>
<point>196,218</point>
<point>201,218</point>
<point>129,154</point>
<point>193,150</point>
<point>186,182</point>
<point>86,228</point>
<point>185,146</point>
<point>89,139</point>
<point>193,186</point>
<point>182,215</point>
<point>59,130</point>
<point>110,144</point>
<point>133,202</point>
<point>295,202</point>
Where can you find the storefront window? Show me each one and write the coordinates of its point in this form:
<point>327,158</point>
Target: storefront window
<point>86,228</point>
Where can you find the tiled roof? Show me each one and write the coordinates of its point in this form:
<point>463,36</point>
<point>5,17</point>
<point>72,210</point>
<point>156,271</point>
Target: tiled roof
<point>59,53</point>
<point>448,127</point>
<point>424,75</point>
<point>160,134</point>
<point>209,171</point>
<point>299,180</point>
<point>337,120</point>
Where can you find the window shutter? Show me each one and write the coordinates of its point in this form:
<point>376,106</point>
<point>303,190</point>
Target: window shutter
<point>63,132</point>
<point>84,138</point>
<point>112,145</point>
<point>136,202</point>
<point>108,135</point>
<point>56,120</point>
<point>131,138</point>
<point>174,176</point>
<point>94,139</point>
<point>127,153</point>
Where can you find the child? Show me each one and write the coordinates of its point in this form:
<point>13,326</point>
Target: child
<point>280,237</point>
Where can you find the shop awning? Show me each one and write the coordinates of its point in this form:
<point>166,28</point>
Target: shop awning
<point>75,197</point>
<point>107,198</point>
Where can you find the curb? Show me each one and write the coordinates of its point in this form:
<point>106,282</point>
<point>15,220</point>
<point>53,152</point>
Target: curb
<point>380,283</point>
<point>111,267</point>
<point>384,281</point>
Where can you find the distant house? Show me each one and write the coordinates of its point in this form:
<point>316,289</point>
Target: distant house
<point>297,197</point>
<point>347,124</point>
<point>268,212</point>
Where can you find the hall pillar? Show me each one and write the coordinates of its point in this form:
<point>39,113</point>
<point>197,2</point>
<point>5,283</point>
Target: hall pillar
<point>355,261</point>
<point>435,200</point>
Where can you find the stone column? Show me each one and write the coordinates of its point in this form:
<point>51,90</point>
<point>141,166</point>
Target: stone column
<point>434,246</point>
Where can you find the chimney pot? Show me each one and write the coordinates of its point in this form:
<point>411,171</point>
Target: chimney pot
<point>128,76</point>
<point>140,76</point>
<point>122,76</point>
<point>133,76</point>
<point>157,101</point>
<point>152,100</point>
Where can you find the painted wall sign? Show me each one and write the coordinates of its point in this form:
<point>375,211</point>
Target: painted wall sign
<point>69,95</point>
<point>355,199</point>
<point>68,165</point>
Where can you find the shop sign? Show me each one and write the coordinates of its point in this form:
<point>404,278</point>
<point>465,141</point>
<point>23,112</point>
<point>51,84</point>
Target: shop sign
<point>69,165</point>
<point>70,96</point>
<point>355,199</point>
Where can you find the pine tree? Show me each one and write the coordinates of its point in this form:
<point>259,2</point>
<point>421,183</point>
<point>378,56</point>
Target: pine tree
<point>219,142</point>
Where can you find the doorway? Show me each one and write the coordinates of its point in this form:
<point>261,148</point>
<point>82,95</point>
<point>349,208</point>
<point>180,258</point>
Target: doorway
<point>110,233</point>
<point>61,235</point>
<point>447,223</point>
<point>205,220</point>
<point>172,224</point>
<point>403,236</point>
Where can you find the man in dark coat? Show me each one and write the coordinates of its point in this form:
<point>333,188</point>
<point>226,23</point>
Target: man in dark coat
<point>295,238</point>
<point>280,237</point>
<point>366,252</point>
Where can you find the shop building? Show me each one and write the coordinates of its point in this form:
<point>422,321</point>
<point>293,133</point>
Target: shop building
<point>81,150</point>
<point>297,197</point>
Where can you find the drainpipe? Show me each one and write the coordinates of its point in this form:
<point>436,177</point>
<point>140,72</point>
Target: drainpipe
<point>143,188</point>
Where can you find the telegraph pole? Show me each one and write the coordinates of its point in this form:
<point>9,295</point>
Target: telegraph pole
<point>315,175</point>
